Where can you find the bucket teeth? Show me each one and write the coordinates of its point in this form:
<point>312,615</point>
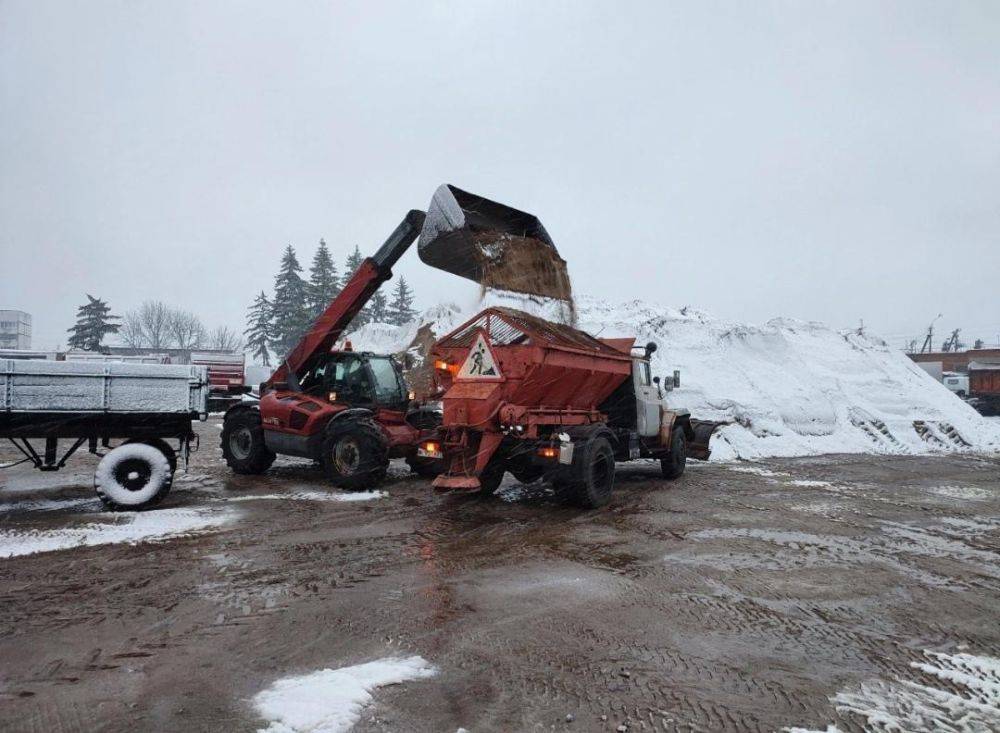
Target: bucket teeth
<point>492,244</point>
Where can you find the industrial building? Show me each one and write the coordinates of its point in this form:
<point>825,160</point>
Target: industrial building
<point>15,329</point>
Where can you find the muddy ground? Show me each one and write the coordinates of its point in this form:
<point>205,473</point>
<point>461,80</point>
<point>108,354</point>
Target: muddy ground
<point>742,597</point>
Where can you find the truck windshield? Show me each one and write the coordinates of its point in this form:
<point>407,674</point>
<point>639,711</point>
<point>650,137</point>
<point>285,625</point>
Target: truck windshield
<point>389,389</point>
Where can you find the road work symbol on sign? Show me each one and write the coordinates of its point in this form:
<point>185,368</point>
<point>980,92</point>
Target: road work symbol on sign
<point>480,363</point>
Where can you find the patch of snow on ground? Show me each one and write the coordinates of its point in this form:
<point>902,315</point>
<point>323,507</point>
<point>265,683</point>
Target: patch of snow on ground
<point>331,700</point>
<point>119,527</point>
<point>313,496</point>
<point>48,505</point>
<point>957,693</point>
<point>967,493</point>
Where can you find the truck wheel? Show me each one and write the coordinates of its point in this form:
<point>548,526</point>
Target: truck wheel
<point>355,454</point>
<point>490,478</point>
<point>243,443</point>
<point>132,476</point>
<point>673,464</point>
<point>425,467</point>
<point>593,473</point>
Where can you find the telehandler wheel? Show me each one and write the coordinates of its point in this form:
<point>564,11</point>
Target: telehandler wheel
<point>675,461</point>
<point>593,473</point>
<point>243,443</point>
<point>354,454</point>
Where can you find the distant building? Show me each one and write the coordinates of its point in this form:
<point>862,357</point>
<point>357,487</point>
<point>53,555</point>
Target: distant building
<point>954,361</point>
<point>15,329</point>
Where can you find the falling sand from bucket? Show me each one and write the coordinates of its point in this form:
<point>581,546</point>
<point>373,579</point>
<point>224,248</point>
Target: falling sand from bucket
<point>511,263</point>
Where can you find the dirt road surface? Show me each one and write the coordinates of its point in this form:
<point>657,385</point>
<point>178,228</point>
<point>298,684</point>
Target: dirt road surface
<point>745,597</point>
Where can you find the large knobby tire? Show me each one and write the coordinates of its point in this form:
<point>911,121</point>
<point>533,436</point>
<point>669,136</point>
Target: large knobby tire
<point>355,454</point>
<point>133,476</point>
<point>674,462</point>
<point>243,443</point>
<point>593,474</point>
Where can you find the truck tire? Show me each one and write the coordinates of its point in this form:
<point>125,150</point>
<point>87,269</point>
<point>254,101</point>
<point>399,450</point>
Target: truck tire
<point>489,479</point>
<point>425,467</point>
<point>355,454</point>
<point>132,476</point>
<point>674,462</point>
<point>593,473</point>
<point>243,443</point>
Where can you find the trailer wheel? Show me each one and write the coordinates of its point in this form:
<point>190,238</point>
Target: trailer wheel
<point>673,464</point>
<point>243,443</point>
<point>355,454</point>
<point>164,448</point>
<point>132,476</point>
<point>593,473</point>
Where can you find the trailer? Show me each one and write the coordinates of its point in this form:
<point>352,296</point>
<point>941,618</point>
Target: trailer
<point>226,375</point>
<point>137,417</point>
<point>984,386</point>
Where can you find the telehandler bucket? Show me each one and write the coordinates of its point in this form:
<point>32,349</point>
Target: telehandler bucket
<point>492,244</point>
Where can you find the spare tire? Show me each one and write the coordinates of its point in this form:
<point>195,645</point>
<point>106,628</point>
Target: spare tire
<point>355,454</point>
<point>132,476</point>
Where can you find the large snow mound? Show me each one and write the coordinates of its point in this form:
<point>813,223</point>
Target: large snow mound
<point>786,388</point>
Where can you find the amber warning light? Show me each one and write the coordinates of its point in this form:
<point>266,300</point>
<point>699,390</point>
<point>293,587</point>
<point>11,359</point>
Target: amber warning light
<point>429,449</point>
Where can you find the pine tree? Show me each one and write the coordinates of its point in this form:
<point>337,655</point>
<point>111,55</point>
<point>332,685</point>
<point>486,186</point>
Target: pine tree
<point>290,309</point>
<point>258,332</point>
<point>378,308</point>
<point>323,281</point>
<point>351,266</point>
<point>92,324</point>
<point>401,310</point>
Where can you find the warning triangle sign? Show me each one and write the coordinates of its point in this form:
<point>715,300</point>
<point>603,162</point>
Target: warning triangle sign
<point>480,363</point>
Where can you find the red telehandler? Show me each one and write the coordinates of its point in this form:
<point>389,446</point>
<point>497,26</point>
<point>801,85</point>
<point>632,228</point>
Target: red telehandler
<point>351,411</point>
<point>348,410</point>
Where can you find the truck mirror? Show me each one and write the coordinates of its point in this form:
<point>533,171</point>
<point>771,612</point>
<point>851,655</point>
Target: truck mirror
<point>677,378</point>
<point>656,381</point>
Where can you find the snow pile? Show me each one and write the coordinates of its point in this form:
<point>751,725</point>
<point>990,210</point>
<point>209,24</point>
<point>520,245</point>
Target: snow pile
<point>788,388</point>
<point>966,697</point>
<point>331,700</point>
<point>128,528</point>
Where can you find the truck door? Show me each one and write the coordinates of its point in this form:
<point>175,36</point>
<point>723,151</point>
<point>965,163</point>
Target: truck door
<point>647,408</point>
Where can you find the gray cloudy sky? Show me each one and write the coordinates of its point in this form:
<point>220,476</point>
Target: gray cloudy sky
<point>829,161</point>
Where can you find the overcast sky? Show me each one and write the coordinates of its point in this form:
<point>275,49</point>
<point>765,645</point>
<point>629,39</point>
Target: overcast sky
<point>828,161</point>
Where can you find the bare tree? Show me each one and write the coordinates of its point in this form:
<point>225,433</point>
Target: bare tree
<point>186,329</point>
<point>147,326</point>
<point>224,338</point>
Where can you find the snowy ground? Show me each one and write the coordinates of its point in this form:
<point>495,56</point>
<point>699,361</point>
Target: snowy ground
<point>787,388</point>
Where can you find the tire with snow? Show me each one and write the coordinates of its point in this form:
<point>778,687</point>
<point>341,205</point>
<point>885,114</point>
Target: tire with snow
<point>673,464</point>
<point>243,443</point>
<point>355,454</point>
<point>133,476</point>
